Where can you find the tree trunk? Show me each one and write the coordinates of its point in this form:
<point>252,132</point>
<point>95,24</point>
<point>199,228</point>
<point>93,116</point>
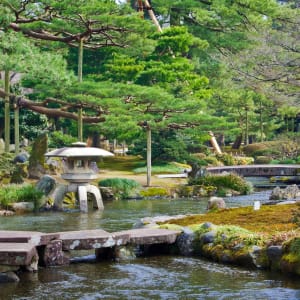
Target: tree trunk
<point>6,111</point>
<point>149,156</point>
<point>247,128</point>
<point>152,15</point>
<point>238,141</point>
<point>261,124</point>
<point>80,62</point>
<point>17,129</point>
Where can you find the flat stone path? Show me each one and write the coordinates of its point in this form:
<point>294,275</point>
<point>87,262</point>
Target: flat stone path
<point>148,236</point>
<point>91,239</point>
<point>20,248</point>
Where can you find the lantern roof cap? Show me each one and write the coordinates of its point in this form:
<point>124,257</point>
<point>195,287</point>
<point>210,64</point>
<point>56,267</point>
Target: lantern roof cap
<point>79,152</point>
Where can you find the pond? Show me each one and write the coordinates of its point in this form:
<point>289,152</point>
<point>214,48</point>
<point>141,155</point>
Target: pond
<point>156,277</point>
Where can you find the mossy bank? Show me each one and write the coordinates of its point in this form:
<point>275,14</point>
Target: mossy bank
<point>268,238</point>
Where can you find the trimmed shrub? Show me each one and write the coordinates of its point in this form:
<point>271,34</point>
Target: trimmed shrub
<point>227,181</point>
<point>122,187</point>
<point>263,160</point>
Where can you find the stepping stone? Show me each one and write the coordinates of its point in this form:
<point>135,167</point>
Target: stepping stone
<point>17,254</point>
<point>148,236</point>
<point>91,239</point>
<point>36,238</point>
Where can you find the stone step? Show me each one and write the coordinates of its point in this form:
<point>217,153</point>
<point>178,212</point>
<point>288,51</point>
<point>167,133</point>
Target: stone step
<point>35,238</point>
<point>147,236</point>
<point>91,239</point>
<point>17,254</point>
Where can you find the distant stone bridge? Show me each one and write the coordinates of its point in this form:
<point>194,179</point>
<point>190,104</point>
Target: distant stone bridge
<point>258,170</point>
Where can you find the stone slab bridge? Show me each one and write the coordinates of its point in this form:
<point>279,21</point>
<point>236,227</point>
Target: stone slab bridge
<point>258,170</point>
<point>27,250</point>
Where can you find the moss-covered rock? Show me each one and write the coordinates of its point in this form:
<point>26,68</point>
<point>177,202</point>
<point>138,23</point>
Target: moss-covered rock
<point>290,261</point>
<point>36,168</point>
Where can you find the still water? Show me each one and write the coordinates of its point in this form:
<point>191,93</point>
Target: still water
<point>163,277</point>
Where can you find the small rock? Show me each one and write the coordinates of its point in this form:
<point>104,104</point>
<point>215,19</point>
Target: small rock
<point>8,277</point>
<point>208,237</point>
<point>216,203</point>
<point>6,213</point>
<point>21,158</point>
<point>20,207</point>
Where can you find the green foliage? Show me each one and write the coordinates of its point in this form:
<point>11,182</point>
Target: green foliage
<point>20,193</point>
<point>58,140</point>
<point>121,187</point>
<point>229,181</point>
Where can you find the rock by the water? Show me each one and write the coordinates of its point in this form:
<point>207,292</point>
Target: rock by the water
<point>216,203</point>
<point>185,241</point>
<point>289,193</point>
<point>20,207</point>
<point>46,184</point>
<point>6,213</point>
<point>8,277</point>
<point>106,193</point>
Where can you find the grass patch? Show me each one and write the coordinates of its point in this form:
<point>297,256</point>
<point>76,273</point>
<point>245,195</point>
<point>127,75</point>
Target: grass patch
<point>164,168</point>
<point>122,187</point>
<point>20,193</point>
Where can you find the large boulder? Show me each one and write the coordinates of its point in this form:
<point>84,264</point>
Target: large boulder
<point>290,192</point>
<point>46,184</point>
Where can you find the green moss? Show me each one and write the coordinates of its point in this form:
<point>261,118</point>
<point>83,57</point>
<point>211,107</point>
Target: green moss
<point>171,227</point>
<point>154,191</point>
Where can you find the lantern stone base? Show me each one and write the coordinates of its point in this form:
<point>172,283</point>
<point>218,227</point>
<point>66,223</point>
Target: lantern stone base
<point>82,189</point>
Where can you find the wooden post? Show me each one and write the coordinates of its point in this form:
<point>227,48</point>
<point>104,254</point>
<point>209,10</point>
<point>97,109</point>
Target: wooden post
<point>148,156</point>
<point>6,111</point>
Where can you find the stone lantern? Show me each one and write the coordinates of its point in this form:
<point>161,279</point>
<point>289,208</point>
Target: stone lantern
<point>79,170</point>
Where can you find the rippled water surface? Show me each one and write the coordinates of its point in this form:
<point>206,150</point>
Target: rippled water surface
<point>163,277</point>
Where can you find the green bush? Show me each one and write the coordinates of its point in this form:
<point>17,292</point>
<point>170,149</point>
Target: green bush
<point>263,160</point>
<point>228,181</point>
<point>20,193</point>
<point>122,187</point>
<point>288,161</point>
